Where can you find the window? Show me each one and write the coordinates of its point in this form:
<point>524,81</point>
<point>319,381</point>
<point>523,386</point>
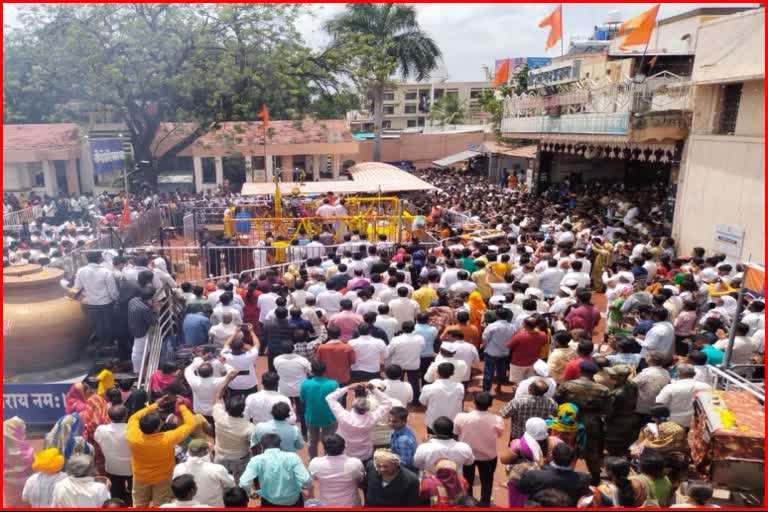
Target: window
<point>389,110</point>
<point>389,96</point>
<point>452,92</point>
<point>38,176</point>
<point>410,109</point>
<point>184,163</point>
<point>411,96</point>
<point>439,93</point>
<point>422,121</point>
<point>209,170</point>
<point>411,123</point>
<point>475,93</point>
<point>729,109</point>
<point>386,125</point>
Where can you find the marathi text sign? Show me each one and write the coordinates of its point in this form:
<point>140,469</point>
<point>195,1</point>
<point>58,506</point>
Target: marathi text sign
<point>107,155</point>
<point>34,403</point>
<point>729,240</point>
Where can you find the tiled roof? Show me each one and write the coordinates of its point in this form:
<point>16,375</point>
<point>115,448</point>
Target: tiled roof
<point>241,134</point>
<point>31,137</point>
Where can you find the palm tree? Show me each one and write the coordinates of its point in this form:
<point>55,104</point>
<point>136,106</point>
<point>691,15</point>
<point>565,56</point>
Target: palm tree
<point>393,28</point>
<point>449,110</point>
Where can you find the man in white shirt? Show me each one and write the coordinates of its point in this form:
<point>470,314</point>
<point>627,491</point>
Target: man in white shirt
<point>463,284</point>
<point>463,351</point>
<point>447,355</point>
<point>267,302</point>
<point>661,337</point>
<point>221,332</point>
<point>402,308</point>
<point>679,395</point>
<point>292,369</point>
<point>225,306</point>
<point>450,275</point>
<point>117,456</point>
<point>576,274</point>
<point>405,351</point>
<point>370,353</point>
<point>549,279</point>
<point>211,479</point>
<point>201,379</point>
<point>233,430</point>
<point>742,347</point>
<point>79,489</point>
<point>442,446</point>
<point>330,301</point>
<point>258,406</point>
<point>387,322</point>
<point>337,474</point>
<point>184,490</point>
<point>99,293</point>
<point>444,397</point>
<point>541,368</point>
<point>393,386</point>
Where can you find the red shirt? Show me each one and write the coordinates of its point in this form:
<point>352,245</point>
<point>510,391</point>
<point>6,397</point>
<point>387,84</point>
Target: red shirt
<point>525,347</point>
<point>584,316</point>
<point>572,368</point>
<point>338,357</point>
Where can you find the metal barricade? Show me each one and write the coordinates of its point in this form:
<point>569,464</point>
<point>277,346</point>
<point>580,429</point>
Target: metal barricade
<point>733,378</point>
<point>188,224</point>
<point>158,333</point>
<point>14,221</point>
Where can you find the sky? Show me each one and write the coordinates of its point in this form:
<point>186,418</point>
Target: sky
<point>473,35</point>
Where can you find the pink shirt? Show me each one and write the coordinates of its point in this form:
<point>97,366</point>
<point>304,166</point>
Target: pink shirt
<point>339,477</point>
<point>685,322</point>
<point>479,429</point>
<point>356,428</point>
<point>347,321</point>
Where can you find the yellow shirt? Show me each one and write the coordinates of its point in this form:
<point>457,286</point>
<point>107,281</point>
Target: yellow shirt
<point>280,253</point>
<point>481,280</point>
<point>424,296</point>
<point>153,456</point>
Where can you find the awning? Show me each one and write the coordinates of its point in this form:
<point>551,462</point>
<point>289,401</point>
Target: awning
<point>501,149</point>
<point>458,157</point>
<point>367,177</point>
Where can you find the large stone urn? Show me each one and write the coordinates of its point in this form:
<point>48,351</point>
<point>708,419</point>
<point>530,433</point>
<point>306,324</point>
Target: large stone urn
<point>43,326</point>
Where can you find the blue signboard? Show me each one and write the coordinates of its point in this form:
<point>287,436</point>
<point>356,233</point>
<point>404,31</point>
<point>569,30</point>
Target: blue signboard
<point>41,404</point>
<point>537,62</point>
<point>107,155</point>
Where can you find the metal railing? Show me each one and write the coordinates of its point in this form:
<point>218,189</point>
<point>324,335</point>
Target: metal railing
<point>188,226</point>
<point>167,321</point>
<point>729,380</point>
<point>14,221</point>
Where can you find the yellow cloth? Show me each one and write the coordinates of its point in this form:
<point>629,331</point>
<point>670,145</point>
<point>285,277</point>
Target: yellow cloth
<point>279,251</point>
<point>48,461</point>
<point>153,456</point>
<point>382,456</point>
<point>424,297</point>
<point>106,380</point>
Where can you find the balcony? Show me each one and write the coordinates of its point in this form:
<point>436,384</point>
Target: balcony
<point>604,124</point>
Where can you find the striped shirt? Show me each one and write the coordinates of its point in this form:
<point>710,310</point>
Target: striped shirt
<point>140,317</point>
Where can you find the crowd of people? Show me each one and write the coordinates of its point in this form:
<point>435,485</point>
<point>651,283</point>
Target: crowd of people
<point>368,345</point>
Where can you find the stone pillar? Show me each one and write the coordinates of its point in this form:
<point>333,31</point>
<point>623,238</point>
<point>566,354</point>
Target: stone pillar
<point>49,174</point>
<point>268,171</point>
<point>197,163</point>
<point>219,170</point>
<point>336,166</point>
<point>287,166</point>
<point>73,182</point>
<point>316,163</point>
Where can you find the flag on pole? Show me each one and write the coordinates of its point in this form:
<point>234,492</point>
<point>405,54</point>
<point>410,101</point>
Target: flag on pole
<point>502,74</point>
<point>125,218</point>
<point>641,25</point>
<point>554,21</point>
<point>264,115</point>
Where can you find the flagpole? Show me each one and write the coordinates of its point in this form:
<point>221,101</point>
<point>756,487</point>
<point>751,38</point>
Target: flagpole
<point>561,30</point>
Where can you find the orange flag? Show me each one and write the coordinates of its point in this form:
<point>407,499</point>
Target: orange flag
<point>264,115</point>
<point>502,74</point>
<point>641,26</point>
<point>555,23</point>
<point>125,218</point>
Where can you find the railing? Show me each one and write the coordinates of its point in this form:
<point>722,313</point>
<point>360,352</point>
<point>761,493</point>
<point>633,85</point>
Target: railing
<point>188,223</point>
<point>146,226</point>
<point>454,217</point>
<point>158,333</point>
<point>611,124</point>
<point>730,379</point>
<point>13,221</point>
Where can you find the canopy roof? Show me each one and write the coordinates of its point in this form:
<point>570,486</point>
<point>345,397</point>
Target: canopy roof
<point>458,157</point>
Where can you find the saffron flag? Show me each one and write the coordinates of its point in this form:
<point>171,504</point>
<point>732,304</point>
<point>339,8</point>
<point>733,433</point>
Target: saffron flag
<point>555,23</point>
<point>125,218</point>
<point>264,115</point>
<point>641,27</point>
<point>502,74</point>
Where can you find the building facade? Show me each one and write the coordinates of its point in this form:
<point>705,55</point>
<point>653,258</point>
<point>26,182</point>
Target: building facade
<point>408,105</point>
<point>721,186</point>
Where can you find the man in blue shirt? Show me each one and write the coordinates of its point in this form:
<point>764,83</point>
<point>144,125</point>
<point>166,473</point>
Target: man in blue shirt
<point>429,333</point>
<point>402,442</point>
<point>495,339</point>
<point>281,475</point>
<point>196,326</point>
<point>290,435</point>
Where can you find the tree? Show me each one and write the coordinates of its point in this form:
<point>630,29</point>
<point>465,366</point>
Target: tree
<point>449,110</point>
<point>382,39</point>
<point>521,80</point>
<point>334,106</point>
<point>150,63</point>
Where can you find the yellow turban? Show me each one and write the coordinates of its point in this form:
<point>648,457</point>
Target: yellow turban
<point>48,461</point>
<point>106,380</point>
<point>383,456</point>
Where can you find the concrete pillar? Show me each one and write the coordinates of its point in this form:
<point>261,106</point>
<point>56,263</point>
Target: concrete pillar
<point>73,182</point>
<point>49,173</point>
<point>219,171</point>
<point>268,170</point>
<point>248,169</point>
<point>336,166</point>
<point>86,168</point>
<point>197,163</point>
<point>316,163</point>
<point>287,166</point>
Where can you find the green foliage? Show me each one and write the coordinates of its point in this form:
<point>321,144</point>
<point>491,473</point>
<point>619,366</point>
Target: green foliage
<point>520,80</point>
<point>449,110</point>
<point>334,105</point>
<point>374,41</point>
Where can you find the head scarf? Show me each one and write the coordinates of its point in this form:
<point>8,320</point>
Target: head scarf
<point>17,452</point>
<point>566,419</point>
<point>729,306</point>
<point>535,431</point>
<point>48,461</point>
<point>446,473</point>
<point>477,309</point>
<point>106,380</point>
<point>66,436</point>
<point>75,399</point>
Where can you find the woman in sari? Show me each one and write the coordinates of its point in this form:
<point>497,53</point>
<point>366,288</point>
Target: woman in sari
<point>666,438</point>
<point>477,310</point>
<point>18,456</point>
<point>618,490</point>
<point>95,414</point>
<point>602,251</point>
<point>67,436</point>
<point>532,450</point>
<point>162,378</point>
<point>566,426</point>
<point>75,399</point>
<point>445,486</point>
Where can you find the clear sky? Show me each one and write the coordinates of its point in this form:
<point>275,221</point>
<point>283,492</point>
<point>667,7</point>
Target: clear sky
<point>473,35</point>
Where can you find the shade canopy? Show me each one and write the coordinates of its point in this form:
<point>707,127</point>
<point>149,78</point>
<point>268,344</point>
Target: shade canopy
<point>454,159</point>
